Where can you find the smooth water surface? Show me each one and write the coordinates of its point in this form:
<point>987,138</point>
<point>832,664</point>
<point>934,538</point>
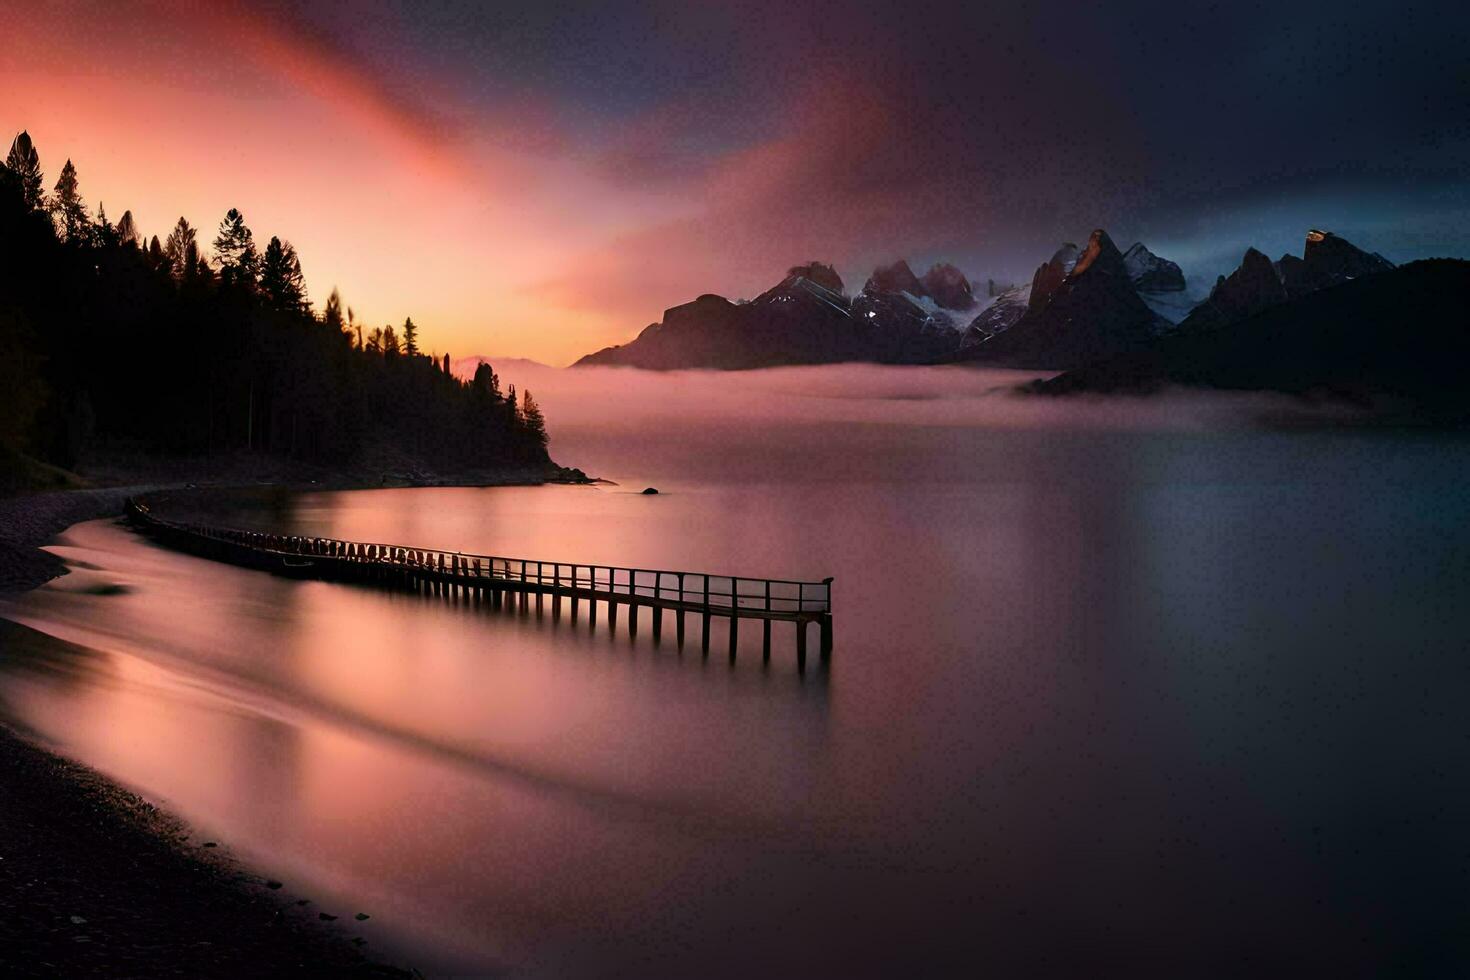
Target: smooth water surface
<point>1147,701</point>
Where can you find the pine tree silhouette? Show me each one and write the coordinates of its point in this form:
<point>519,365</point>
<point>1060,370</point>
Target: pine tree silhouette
<point>25,163</point>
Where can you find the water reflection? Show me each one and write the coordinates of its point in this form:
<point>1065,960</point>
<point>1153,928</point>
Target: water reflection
<point>1155,702</point>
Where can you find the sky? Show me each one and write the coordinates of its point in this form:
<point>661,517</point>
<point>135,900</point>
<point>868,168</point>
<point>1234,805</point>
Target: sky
<point>541,180</point>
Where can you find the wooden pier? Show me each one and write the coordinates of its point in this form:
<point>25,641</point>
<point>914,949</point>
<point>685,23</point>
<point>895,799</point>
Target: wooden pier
<point>505,582</point>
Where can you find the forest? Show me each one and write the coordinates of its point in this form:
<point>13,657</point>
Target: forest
<point>191,347</point>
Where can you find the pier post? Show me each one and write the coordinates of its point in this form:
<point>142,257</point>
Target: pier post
<point>826,623</point>
<point>766,641</point>
<point>679,627</point>
<point>632,619</point>
<point>574,609</point>
<point>612,617</point>
<point>658,623</point>
<point>801,646</point>
<point>704,634</point>
<point>592,615</point>
<point>734,635</point>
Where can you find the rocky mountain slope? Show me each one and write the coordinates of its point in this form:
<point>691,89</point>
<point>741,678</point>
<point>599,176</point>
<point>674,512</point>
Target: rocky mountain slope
<point>1396,335</point>
<point>898,318</point>
<point>1081,306</point>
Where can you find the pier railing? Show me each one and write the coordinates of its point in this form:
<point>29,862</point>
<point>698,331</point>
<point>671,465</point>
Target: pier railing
<point>730,596</point>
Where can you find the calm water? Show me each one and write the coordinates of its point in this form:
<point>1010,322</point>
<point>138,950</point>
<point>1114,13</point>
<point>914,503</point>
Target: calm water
<point>1144,701</point>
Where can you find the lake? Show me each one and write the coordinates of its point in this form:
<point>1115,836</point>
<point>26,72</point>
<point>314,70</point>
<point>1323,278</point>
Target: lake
<point>1147,696</point>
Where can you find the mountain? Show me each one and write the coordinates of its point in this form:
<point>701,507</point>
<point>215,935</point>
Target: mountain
<point>1258,283</point>
<point>806,319</point>
<point>1151,274</point>
<point>1082,307</point>
<point>1004,312</point>
<point>1080,304</point>
<point>518,371</point>
<point>1160,283</point>
<point>1399,335</point>
<point>949,287</point>
<point>895,278</point>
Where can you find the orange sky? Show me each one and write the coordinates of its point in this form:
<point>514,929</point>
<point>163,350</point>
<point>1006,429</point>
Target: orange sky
<point>541,180</point>
<point>456,222</point>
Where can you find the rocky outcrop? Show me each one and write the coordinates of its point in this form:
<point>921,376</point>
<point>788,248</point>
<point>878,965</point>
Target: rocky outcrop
<point>804,319</point>
<point>949,287</point>
<point>1003,313</point>
<point>895,278</point>
<point>820,273</point>
<point>1082,307</point>
<point>1393,340</point>
<point>1051,274</point>
<point>1150,273</point>
<point>1259,284</point>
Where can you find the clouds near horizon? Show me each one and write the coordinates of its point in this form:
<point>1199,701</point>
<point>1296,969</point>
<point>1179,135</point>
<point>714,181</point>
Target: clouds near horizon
<point>543,182</point>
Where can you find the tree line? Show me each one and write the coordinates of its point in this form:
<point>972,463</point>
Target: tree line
<point>174,346</point>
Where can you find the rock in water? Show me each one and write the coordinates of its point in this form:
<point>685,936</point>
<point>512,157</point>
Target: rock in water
<point>649,491</point>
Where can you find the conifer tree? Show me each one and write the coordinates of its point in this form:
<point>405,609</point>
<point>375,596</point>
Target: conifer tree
<point>104,231</point>
<point>280,277</point>
<point>234,247</point>
<point>332,315</point>
<point>127,229</point>
<point>446,364</point>
<point>67,208</point>
<point>176,249</point>
<point>25,163</point>
<point>410,337</point>
<point>390,342</point>
<point>534,421</point>
<point>155,254</point>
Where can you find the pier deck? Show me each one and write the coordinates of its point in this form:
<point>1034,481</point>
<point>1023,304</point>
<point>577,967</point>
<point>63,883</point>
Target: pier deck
<point>499,580</point>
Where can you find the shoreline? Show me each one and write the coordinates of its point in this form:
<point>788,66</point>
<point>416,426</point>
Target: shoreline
<point>94,880</point>
<point>97,881</point>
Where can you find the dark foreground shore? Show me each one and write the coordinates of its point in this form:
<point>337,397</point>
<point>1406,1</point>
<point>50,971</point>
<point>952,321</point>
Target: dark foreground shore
<point>96,882</point>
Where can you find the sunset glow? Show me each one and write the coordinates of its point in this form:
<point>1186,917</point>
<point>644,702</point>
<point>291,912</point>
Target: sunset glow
<point>539,184</point>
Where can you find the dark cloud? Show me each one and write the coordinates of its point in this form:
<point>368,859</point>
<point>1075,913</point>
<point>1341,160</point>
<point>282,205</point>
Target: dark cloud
<point>983,132</point>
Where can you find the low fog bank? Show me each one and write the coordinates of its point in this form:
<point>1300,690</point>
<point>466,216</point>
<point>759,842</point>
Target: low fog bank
<point>849,421</point>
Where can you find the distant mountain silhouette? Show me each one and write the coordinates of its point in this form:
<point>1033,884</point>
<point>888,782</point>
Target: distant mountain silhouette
<point>1150,273</point>
<point>1258,283</point>
<point>898,318</point>
<point>1397,333</point>
<point>1081,307</point>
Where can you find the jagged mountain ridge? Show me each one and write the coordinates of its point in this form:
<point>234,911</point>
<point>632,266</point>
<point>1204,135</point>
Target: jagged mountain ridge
<point>1082,306</point>
<point>1330,340</point>
<point>898,318</point>
<point>1258,284</point>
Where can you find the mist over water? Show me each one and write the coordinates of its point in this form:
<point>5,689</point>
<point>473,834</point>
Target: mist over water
<point>1119,686</point>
